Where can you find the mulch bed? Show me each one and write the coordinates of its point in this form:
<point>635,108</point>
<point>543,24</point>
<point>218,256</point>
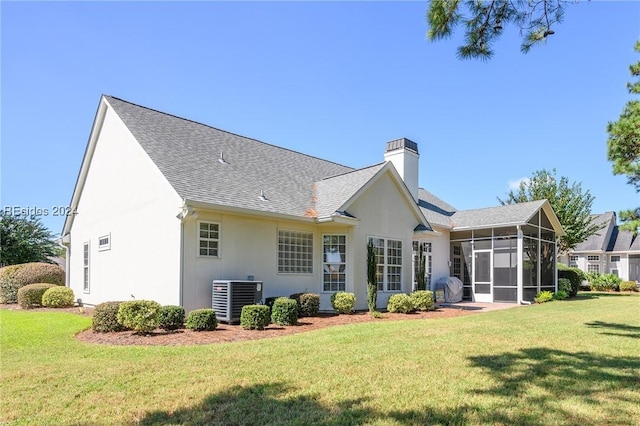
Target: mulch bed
<point>235,333</point>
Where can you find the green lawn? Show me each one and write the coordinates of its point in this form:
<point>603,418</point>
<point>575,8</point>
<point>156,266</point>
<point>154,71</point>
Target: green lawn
<point>573,362</point>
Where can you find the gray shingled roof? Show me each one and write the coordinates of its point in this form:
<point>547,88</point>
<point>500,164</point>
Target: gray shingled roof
<point>598,241</point>
<point>494,216</point>
<point>435,210</point>
<point>187,153</point>
<point>333,192</point>
<point>622,241</point>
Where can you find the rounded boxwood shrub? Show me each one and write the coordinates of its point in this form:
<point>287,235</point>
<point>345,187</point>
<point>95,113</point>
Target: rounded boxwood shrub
<point>628,286</point>
<point>284,311</point>
<point>343,302</point>
<point>171,317</point>
<point>14,277</point>
<point>308,304</point>
<point>269,301</point>
<point>400,303</point>
<point>30,296</point>
<point>58,297</point>
<point>105,318</point>
<point>142,316</point>
<point>202,320</point>
<point>575,277</point>
<point>564,284</point>
<point>560,295</point>
<point>255,317</point>
<point>422,300</point>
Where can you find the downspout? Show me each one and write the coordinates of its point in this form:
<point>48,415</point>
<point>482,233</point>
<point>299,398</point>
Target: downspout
<point>181,295</point>
<point>67,260</point>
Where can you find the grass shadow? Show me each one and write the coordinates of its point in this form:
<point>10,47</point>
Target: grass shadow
<point>624,330</point>
<point>545,379</point>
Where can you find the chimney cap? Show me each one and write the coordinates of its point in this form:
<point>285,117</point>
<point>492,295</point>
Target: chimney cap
<point>402,143</point>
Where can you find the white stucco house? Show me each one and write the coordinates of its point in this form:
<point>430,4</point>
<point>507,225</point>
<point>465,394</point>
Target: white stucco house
<point>163,206</point>
<point>609,251</point>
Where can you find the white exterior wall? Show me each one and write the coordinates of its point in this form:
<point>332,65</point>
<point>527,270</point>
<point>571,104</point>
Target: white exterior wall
<point>126,196</point>
<point>383,212</point>
<point>439,254</point>
<point>248,246</point>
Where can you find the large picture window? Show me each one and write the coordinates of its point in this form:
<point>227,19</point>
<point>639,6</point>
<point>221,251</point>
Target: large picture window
<point>208,239</point>
<point>389,260</point>
<point>295,252</point>
<point>334,249</point>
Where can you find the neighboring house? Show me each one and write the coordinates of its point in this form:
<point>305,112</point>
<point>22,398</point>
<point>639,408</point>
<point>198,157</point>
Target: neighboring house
<point>609,251</point>
<point>164,205</point>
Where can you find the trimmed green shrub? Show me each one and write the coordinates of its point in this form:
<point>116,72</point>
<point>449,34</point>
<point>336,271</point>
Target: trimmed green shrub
<point>13,277</point>
<point>105,318</point>
<point>400,303</point>
<point>575,277</point>
<point>560,295</point>
<point>564,284</point>
<point>628,286</point>
<point>422,300</point>
<point>171,317</point>
<point>30,296</point>
<point>543,296</point>
<point>255,317</point>
<point>202,320</point>
<point>58,297</point>
<point>605,282</point>
<point>269,301</point>
<point>284,311</point>
<point>142,316</point>
<point>308,304</point>
<point>343,302</point>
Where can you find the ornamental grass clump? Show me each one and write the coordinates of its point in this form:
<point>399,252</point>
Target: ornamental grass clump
<point>400,303</point>
<point>171,317</point>
<point>58,297</point>
<point>105,318</point>
<point>255,317</point>
<point>628,286</point>
<point>202,320</point>
<point>284,311</point>
<point>142,316</point>
<point>30,296</point>
<point>543,296</point>
<point>343,302</point>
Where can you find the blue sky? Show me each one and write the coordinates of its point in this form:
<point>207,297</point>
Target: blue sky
<point>331,79</point>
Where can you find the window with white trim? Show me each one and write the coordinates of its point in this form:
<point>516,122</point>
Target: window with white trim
<point>208,239</point>
<point>615,272</point>
<point>85,266</point>
<point>573,258</point>
<point>422,248</point>
<point>295,252</point>
<point>615,258</point>
<point>334,265</point>
<point>389,260</point>
<point>104,242</point>
<point>593,258</point>
<point>593,268</point>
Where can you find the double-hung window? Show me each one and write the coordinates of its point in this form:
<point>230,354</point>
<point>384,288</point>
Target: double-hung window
<point>389,263</point>
<point>295,252</point>
<point>334,250</point>
<point>208,239</point>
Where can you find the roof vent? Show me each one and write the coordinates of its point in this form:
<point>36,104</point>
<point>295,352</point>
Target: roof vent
<point>262,196</point>
<point>221,159</point>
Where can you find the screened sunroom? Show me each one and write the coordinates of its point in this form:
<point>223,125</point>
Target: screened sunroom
<point>507,253</point>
